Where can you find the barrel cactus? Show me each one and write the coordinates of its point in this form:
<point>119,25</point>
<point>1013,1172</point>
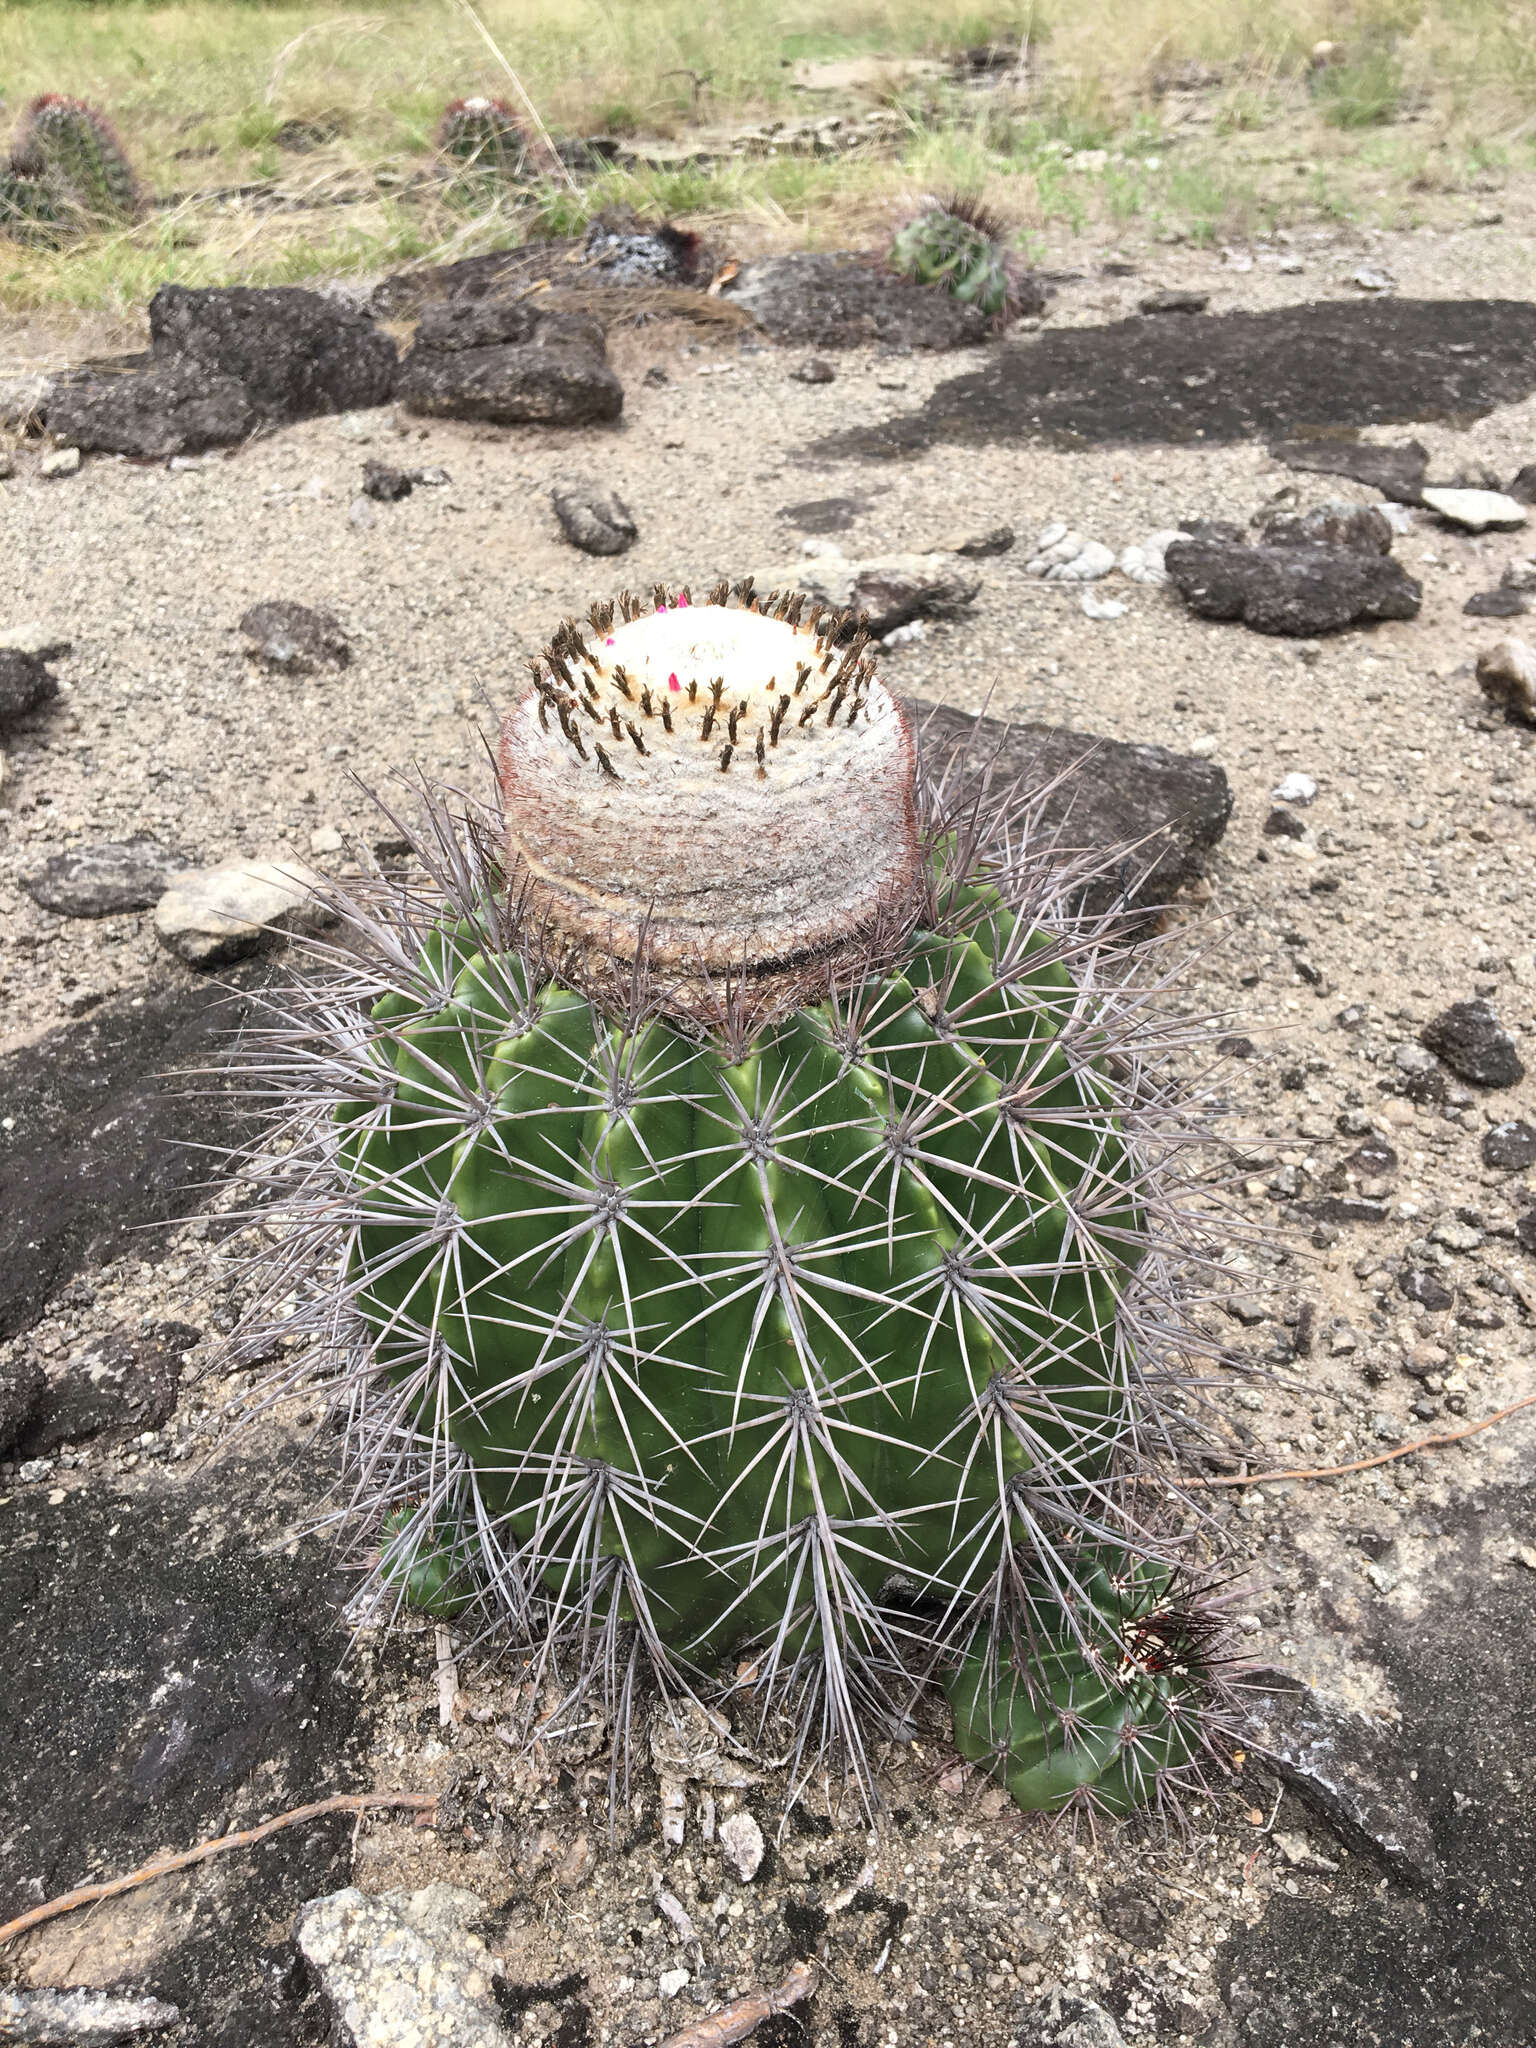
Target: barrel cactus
<point>726,1181</point>
<point>482,134</point>
<point>959,246</point>
<point>69,169</point>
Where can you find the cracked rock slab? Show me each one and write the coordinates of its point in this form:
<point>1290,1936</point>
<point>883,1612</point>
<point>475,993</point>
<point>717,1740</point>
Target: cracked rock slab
<point>210,917</point>
<point>403,1969</point>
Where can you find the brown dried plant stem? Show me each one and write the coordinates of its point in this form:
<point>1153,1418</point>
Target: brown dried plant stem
<point>164,1866</point>
<point>743,2016</point>
<point>1424,1443</point>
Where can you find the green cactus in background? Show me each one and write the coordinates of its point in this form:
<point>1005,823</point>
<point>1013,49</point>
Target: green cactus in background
<point>68,169</point>
<point>730,1191</point>
<point>960,247</point>
<point>483,135</point>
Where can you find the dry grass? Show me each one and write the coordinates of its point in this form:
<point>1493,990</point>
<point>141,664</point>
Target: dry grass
<point>207,95</point>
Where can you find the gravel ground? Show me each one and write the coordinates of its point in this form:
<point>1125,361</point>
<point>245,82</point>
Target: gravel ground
<point>1410,889</point>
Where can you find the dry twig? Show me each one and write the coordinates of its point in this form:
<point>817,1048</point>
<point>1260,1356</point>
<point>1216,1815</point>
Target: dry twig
<point>1425,1443</point>
<point>163,1866</point>
<point>743,2016</point>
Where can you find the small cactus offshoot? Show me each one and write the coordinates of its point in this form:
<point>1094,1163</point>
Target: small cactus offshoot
<point>483,135</point>
<point>68,171</point>
<point>958,246</point>
<point>732,1193</point>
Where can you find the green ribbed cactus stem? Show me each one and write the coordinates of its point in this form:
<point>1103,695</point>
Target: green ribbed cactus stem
<point>727,1191</point>
<point>959,247</point>
<point>1108,1719</point>
<point>72,154</point>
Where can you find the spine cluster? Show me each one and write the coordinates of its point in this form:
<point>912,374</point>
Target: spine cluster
<point>603,712</point>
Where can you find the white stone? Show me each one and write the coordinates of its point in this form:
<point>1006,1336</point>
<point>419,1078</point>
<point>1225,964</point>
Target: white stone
<point>1102,607</point>
<point>1475,510</point>
<point>1367,279</point>
<point>326,839</point>
<point>1294,789</point>
<point>403,1967</point>
<point>59,462</point>
<point>1207,746</point>
<point>46,643</point>
<point>361,514</point>
<point>670,1982</point>
<point>1091,561</point>
<point>212,916</point>
<point>1506,673</point>
<point>741,1844</point>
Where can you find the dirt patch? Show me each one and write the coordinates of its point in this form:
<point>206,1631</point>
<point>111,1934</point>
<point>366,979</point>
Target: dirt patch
<point>103,1146</point>
<point>1291,370</point>
<point>1361,1963</point>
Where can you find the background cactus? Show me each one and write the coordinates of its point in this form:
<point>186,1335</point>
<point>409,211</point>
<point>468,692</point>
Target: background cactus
<point>731,1195</point>
<point>68,168</point>
<point>484,135</point>
<point>960,247</point>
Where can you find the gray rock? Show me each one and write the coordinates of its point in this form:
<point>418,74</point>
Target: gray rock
<point>1062,2021</point>
<point>843,300</point>
<point>512,384</point>
<point>1397,472</point>
<point>592,519</point>
<point>24,684</point>
<point>1506,674</point>
<point>1469,1038</point>
<point>1172,301</point>
<point>118,1388</point>
<point>1522,485</point>
<point>24,401</point>
<point>1103,796</point>
<point>21,1387</point>
<point>1335,525</point>
<point>99,881</point>
<point>1510,1147</point>
<point>452,325</point>
<point>997,540</point>
<point>164,409</point>
<point>741,1844</point>
<point>1349,1770</point>
<point>1423,1285</point>
<point>1475,510</point>
<point>292,636</point>
<point>70,2019</point>
<point>813,371</point>
<point>891,589</point>
<point>210,917</point>
<point>1502,603</point>
<point>297,353</point>
<point>402,1969</point>
<point>1296,591</point>
<point>385,484</point>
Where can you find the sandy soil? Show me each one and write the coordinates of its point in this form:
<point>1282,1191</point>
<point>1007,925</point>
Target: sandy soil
<point>1411,889</point>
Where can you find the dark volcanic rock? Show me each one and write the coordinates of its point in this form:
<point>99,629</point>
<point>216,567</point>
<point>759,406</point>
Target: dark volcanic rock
<point>596,521</point>
<point>1422,1284</point>
<point>296,353</point>
<point>1282,824</point>
<point>1397,472</point>
<point>292,636</point>
<point>1354,1964</point>
<point>1469,1038</point>
<point>845,301</point>
<point>824,515</point>
<point>168,408</point>
<point>100,881</point>
<point>1228,377</point>
<point>1112,794</point>
<point>385,484</point>
<point>455,324</point>
<point>813,371</point>
<point>1522,484</point>
<point>119,1387</point>
<point>1360,527</point>
<point>512,384</point>
<point>1511,1147</point>
<point>25,683</point>
<point>1174,302</point>
<point>21,1386</point>
<point>1299,591</point>
<point>102,1152</point>
<point>1498,603</point>
<point>191,1677</point>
